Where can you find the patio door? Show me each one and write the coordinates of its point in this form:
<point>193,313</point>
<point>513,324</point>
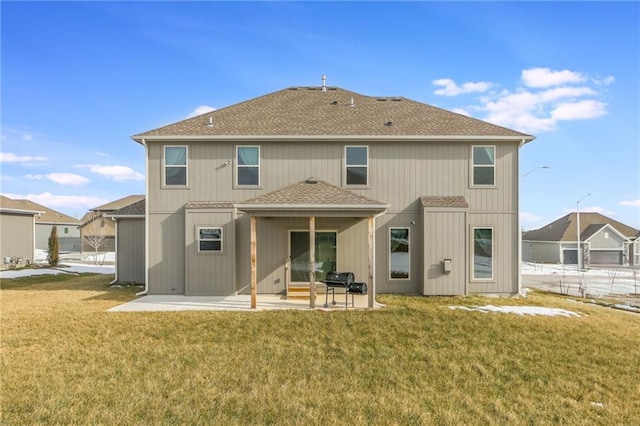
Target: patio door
<point>326,255</point>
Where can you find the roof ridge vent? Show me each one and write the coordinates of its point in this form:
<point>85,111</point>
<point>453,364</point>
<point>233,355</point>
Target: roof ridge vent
<point>311,180</point>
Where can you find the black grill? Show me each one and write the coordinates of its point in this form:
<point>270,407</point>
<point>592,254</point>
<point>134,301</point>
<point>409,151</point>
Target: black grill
<point>344,280</point>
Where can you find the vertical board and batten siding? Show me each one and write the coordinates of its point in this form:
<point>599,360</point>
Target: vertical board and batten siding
<point>399,174</point>
<point>130,250</point>
<point>209,274</point>
<point>505,253</point>
<point>445,237</point>
<point>17,240</point>
<point>166,253</point>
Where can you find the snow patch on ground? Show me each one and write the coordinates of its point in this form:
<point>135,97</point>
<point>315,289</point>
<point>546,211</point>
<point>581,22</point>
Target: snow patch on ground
<point>519,310</point>
<point>68,268</point>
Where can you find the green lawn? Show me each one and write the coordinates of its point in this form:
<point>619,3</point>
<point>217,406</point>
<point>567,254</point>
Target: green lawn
<point>67,361</point>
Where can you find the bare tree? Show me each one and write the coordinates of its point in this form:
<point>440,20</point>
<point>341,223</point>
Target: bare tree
<point>94,234</point>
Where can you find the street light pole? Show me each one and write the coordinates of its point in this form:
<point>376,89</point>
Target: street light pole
<point>578,232</point>
<point>533,170</point>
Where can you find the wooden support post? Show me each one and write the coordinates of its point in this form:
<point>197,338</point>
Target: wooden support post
<point>370,289</point>
<point>254,260</point>
<point>312,262</point>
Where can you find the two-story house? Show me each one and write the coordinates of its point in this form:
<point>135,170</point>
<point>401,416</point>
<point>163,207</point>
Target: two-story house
<point>270,194</point>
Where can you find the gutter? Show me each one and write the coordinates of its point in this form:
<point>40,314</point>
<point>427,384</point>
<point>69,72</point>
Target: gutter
<point>335,138</point>
<point>115,240</point>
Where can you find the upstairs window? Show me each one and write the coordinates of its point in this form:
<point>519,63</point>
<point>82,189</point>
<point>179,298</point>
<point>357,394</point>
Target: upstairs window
<point>175,165</point>
<point>484,165</point>
<point>248,165</point>
<point>357,165</point>
<point>210,240</point>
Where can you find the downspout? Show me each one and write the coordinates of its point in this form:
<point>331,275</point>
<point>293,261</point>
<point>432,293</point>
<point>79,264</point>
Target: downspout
<point>146,220</point>
<point>115,263</point>
<point>519,230</point>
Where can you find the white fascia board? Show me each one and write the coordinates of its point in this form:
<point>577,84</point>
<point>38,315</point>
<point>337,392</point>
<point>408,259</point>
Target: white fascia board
<point>336,138</point>
<point>20,211</point>
<point>125,216</point>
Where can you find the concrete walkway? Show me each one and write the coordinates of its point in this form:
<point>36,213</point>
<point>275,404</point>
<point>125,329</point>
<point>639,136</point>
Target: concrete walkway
<point>234,303</point>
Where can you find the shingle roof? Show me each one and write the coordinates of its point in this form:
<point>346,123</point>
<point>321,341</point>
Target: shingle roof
<point>118,204</point>
<point>48,215</point>
<point>312,192</point>
<point>309,111</point>
<point>209,205</point>
<point>453,201</point>
<point>564,229</point>
<point>134,209</point>
<point>7,203</point>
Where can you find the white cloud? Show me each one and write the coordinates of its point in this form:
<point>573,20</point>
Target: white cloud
<point>68,202</point>
<point>544,77</point>
<point>68,179</point>
<point>202,109</point>
<point>8,157</point>
<point>27,137</point>
<point>450,88</point>
<point>101,154</point>
<point>117,173</point>
<point>604,81</point>
<point>580,110</point>
<point>630,203</point>
<point>461,111</point>
<point>546,98</point>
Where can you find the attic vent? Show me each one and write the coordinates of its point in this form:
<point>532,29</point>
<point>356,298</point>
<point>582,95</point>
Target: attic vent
<point>396,99</point>
<point>334,103</point>
<point>381,99</point>
<point>352,103</point>
<point>210,122</point>
<point>389,123</point>
<point>331,88</point>
<point>293,88</point>
<point>311,180</point>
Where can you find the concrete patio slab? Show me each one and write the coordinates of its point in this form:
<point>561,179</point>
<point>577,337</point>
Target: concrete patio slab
<point>160,303</point>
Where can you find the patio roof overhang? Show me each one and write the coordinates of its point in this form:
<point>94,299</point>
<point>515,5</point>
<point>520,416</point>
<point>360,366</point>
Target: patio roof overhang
<point>317,210</point>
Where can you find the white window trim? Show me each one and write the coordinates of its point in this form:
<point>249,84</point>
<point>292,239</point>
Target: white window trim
<point>493,251</point>
<point>164,166</point>
<point>473,166</point>
<point>238,166</point>
<point>346,166</point>
<point>391,228</point>
<point>198,239</point>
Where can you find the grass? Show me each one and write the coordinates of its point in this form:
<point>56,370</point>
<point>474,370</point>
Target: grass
<point>67,361</point>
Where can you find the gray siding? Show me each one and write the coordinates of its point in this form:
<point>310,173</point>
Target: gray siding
<point>17,231</point>
<point>445,237</point>
<point>541,251</point>
<point>68,242</point>
<point>166,253</point>
<point>399,173</point>
<point>598,240</point>
<point>130,262</point>
<point>212,273</point>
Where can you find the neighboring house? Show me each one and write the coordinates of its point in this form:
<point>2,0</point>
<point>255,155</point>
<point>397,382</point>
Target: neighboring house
<point>17,233</point>
<point>95,227</point>
<point>410,198</point>
<point>129,243</point>
<point>66,227</point>
<point>604,241</point>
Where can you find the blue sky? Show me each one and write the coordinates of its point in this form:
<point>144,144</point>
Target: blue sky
<point>79,78</point>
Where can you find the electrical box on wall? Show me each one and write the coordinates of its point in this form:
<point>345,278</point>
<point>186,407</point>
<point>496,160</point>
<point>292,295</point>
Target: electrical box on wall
<point>446,266</point>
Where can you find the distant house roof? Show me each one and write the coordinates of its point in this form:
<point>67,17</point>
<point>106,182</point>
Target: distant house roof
<point>10,205</point>
<point>132,210</point>
<point>451,202</point>
<point>50,216</point>
<point>118,204</point>
<point>311,194</point>
<point>334,112</point>
<point>564,229</point>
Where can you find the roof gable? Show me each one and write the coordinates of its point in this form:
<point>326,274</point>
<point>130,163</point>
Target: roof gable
<point>118,204</point>
<point>311,111</point>
<point>564,228</point>
<point>48,215</point>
